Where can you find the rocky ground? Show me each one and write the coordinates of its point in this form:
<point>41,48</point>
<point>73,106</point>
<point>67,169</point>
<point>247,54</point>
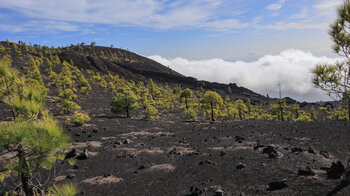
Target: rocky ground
<point>171,156</point>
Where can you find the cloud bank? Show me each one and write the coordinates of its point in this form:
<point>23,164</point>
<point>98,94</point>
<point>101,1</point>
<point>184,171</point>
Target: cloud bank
<point>292,68</point>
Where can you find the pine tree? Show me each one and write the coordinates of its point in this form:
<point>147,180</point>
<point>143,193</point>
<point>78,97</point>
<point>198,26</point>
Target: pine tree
<point>295,110</point>
<point>186,95</point>
<point>241,107</point>
<point>313,113</point>
<point>124,101</point>
<point>146,102</point>
<point>334,78</point>
<point>230,110</point>
<point>211,101</point>
<point>36,143</point>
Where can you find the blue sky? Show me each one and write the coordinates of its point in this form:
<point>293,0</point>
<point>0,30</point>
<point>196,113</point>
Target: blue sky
<point>229,29</point>
<point>195,30</point>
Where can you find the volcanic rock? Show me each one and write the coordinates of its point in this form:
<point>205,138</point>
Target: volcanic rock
<point>83,155</point>
<point>297,149</point>
<point>240,166</point>
<point>311,150</point>
<point>336,171</point>
<point>272,152</point>
<point>306,172</point>
<point>73,153</point>
<point>174,151</point>
<point>206,162</point>
<point>277,185</point>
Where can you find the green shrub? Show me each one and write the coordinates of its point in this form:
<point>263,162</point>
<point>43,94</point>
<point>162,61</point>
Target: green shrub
<point>69,106</point>
<point>303,117</point>
<point>63,190</point>
<point>151,111</point>
<point>79,118</point>
<point>67,94</point>
<point>190,113</point>
<point>2,49</point>
<point>83,85</point>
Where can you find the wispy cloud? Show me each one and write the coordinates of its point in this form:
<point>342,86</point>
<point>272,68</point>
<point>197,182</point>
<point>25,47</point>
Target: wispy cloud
<point>291,68</point>
<point>276,6</point>
<point>43,26</point>
<point>214,15</point>
<point>294,25</point>
<point>301,15</point>
<point>328,4</point>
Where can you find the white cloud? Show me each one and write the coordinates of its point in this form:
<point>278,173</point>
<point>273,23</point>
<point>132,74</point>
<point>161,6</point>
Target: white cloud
<point>291,68</point>
<point>294,25</point>
<point>328,4</point>
<point>327,7</point>
<point>276,6</point>
<point>301,15</point>
<point>47,26</point>
<point>225,25</point>
<point>145,13</point>
<point>156,14</point>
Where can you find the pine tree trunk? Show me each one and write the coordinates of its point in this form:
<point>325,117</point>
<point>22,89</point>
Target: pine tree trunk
<point>349,106</point>
<point>8,92</point>
<point>127,112</point>
<point>186,102</point>
<point>212,111</point>
<point>281,110</point>
<point>25,177</point>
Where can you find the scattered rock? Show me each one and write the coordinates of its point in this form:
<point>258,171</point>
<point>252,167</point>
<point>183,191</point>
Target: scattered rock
<point>239,139</point>
<point>206,162</point>
<point>83,155</point>
<point>117,142</point>
<point>269,149</point>
<point>222,153</point>
<point>336,171</point>
<point>73,153</point>
<point>174,151</point>
<point>297,149</point>
<point>219,192</point>
<point>311,150</point>
<point>277,185</point>
<point>127,141</point>
<point>195,191</point>
<point>272,152</point>
<point>142,167</point>
<point>78,134</point>
<point>325,154</point>
<point>106,175</point>
<point>276,154</point>
<point>258,146</point>
<point>306,172</point>
<point>94,130</point>
<point>240,166</point>
<point>70,176</point>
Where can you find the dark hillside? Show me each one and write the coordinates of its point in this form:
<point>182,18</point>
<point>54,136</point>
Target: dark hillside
<point>135,67</point>
<point>130,66</point>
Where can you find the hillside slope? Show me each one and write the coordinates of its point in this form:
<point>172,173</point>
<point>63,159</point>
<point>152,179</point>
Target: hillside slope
<point>130,66</point>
